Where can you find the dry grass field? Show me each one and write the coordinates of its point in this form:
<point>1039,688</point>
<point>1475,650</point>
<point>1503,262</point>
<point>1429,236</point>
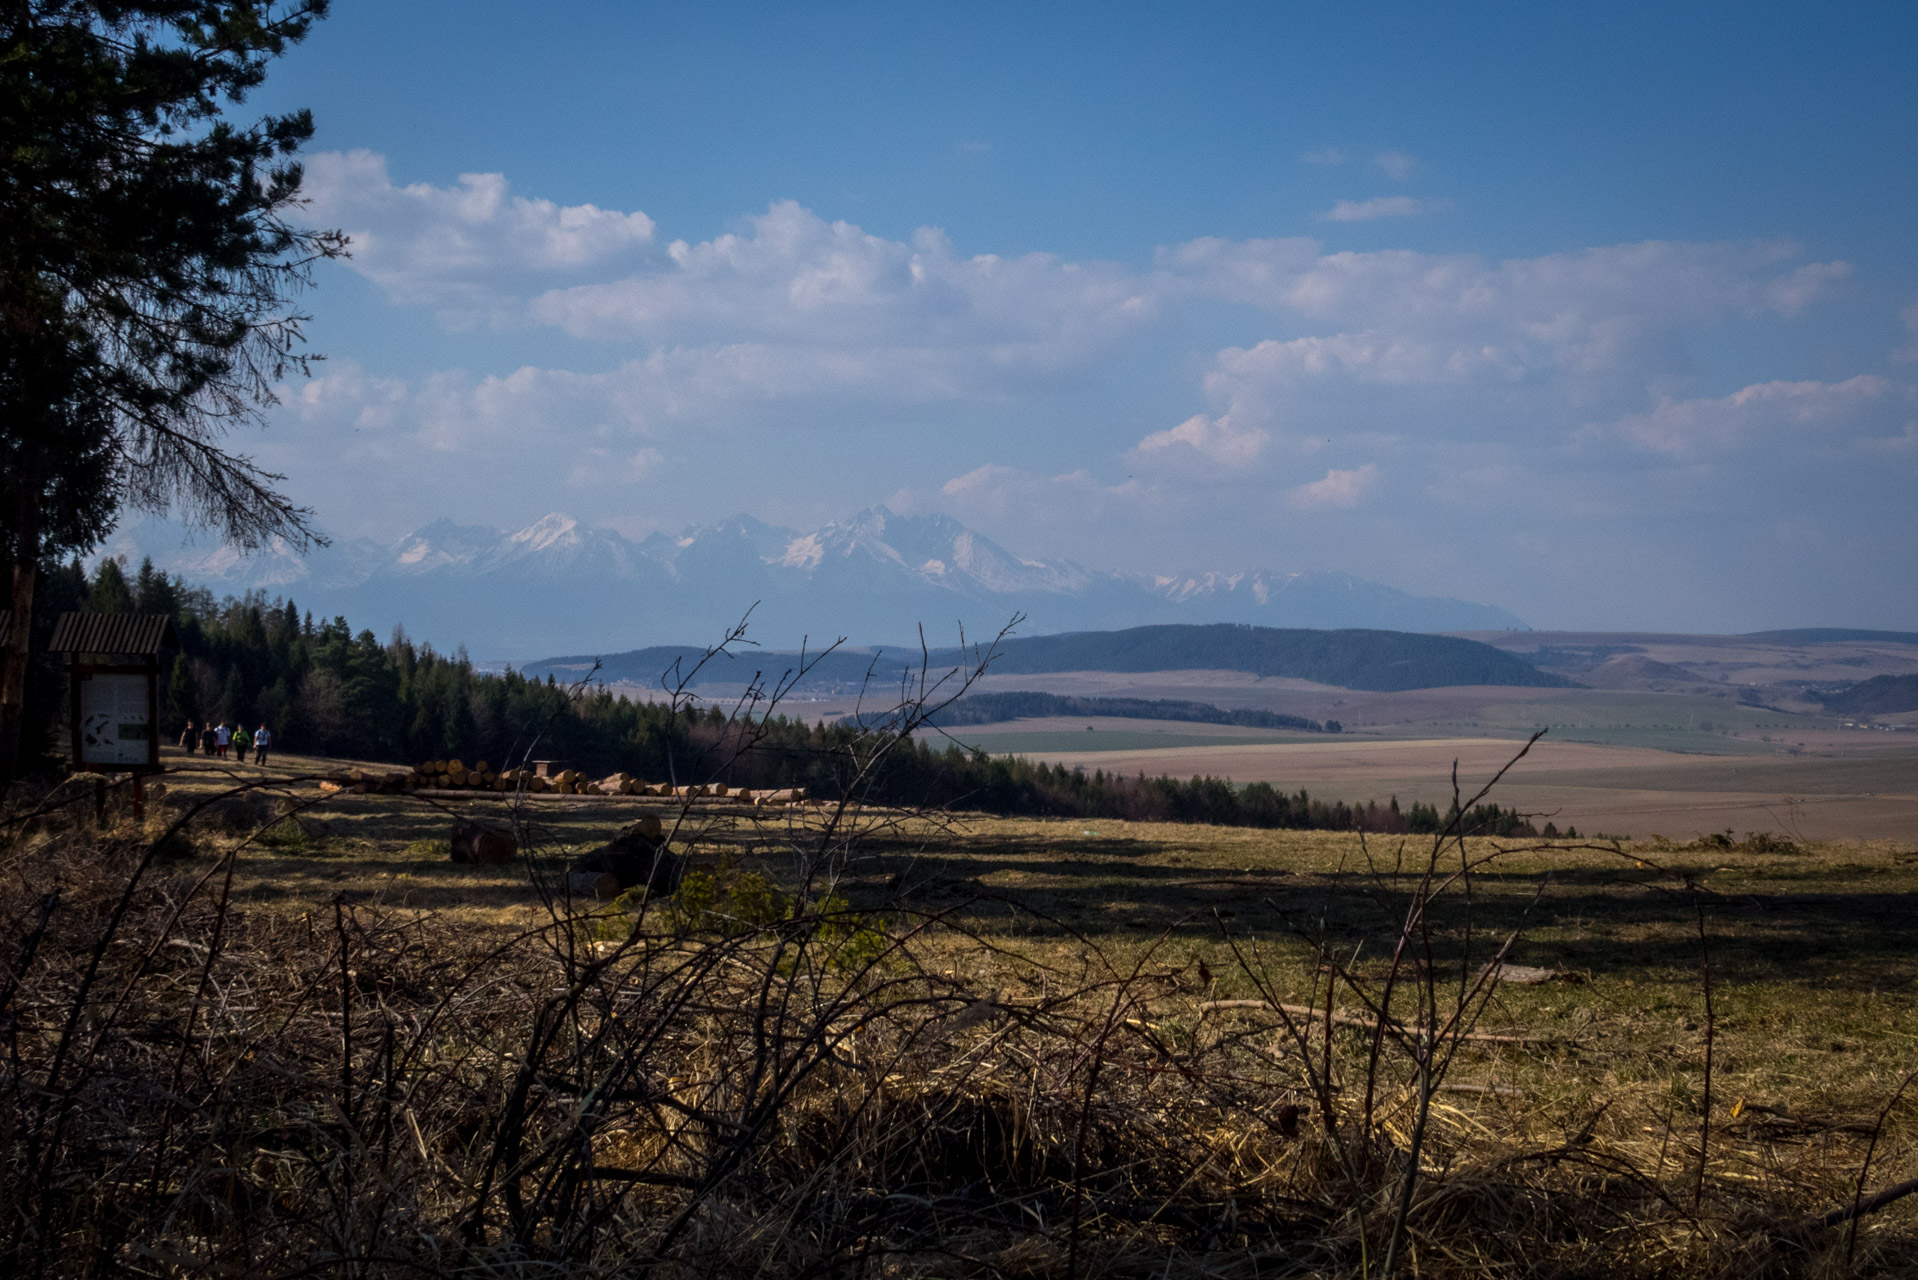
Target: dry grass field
<point>1827,928</point>
<point>988,1047</point>
<point>1839,784</point>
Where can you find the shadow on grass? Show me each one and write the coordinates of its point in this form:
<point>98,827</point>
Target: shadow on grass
<point>1777,924</point>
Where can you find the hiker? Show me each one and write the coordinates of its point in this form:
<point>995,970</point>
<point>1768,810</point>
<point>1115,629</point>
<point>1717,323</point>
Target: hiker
<point>222,737</point>
<point>240,743</point>
<point>262,739</point>
<point>189,738</point>
<point>207,737</point>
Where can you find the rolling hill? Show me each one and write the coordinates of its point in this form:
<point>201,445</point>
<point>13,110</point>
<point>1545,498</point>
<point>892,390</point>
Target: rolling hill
<point>994,708</point>
<point>1878,696</point>
<point>1381,661</point>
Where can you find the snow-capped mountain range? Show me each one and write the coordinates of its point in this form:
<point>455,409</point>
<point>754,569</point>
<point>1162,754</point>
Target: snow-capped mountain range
<point>559,586</point>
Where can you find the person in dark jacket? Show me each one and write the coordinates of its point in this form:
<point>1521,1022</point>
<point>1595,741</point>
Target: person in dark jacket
<point>207,738</point>
<point>189,738</point>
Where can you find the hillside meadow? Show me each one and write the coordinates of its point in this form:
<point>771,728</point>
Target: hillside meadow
<point>950,1045</point>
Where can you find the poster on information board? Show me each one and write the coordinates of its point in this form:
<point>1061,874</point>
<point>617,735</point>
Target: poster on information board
<point>116,719</point>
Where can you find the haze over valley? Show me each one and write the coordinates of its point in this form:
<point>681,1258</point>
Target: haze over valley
<point>559,586</point>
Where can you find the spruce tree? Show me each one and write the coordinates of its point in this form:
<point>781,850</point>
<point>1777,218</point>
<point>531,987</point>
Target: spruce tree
<point>146,271</point>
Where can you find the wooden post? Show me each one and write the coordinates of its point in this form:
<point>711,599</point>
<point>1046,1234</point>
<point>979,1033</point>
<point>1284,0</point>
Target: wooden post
<point>139,797</point>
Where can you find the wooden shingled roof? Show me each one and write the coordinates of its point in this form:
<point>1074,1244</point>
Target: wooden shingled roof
<point>143,633</point>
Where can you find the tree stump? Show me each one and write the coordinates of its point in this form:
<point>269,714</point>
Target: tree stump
<point>483,845</point>
<point>635,857</point>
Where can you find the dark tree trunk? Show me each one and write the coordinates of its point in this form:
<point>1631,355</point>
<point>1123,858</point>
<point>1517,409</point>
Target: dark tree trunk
<point>18,655</point>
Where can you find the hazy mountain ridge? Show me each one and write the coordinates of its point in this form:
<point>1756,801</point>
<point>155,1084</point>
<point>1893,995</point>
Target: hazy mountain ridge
<point>559,585</point>
<point>1349,659</point>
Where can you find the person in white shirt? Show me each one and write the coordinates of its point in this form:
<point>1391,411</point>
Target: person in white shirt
<point>222,738</point>
<point>262,739</point>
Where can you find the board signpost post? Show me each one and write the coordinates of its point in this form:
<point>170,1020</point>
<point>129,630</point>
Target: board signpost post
<point>113,683</point>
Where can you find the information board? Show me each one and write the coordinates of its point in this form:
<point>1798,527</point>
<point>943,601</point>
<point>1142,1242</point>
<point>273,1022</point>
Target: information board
<point>116,726</point>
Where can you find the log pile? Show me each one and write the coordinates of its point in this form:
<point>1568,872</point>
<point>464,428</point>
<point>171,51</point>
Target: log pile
<point>362,781</point>
<point>455,775</point>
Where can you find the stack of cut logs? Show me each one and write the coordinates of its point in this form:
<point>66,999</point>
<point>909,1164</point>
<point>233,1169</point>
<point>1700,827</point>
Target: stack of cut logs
<point>454,774</point>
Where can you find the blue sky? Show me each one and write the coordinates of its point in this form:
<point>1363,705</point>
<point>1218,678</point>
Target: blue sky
<point>1604,314</point>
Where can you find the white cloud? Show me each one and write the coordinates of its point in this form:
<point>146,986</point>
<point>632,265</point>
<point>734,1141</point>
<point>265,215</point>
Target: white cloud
<point>797,279</point>
<point>466,246</point>
<point>1371,356</point>
<point>1671,280</point>
<point>601,466</point>
<point>1790,294</point>
<point>1216,440</point>
<point>1395,164</point>
<point>1771,411</point>
<point>800,362</point>
<point>797,305</point>
<point>1338,489</point>
<point>1902,445</point>
<point>1050,510</point>
<point>1908,353</point>
<point>1558,331</point>
<point>979,480</point>
<point>1382,207</point>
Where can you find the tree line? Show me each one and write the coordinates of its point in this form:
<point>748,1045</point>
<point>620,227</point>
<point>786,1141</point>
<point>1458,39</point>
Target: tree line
<point>148,266</point>
<point>325,689</point>
<point>1020,704</point>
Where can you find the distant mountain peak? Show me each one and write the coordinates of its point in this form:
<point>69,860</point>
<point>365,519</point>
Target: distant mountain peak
<point>549,530</point>
<point>561,585</point>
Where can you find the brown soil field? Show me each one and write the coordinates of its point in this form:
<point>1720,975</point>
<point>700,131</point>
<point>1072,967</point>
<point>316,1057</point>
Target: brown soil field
<point>1871,793</point>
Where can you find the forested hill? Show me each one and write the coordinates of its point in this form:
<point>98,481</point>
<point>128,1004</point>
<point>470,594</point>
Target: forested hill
<point>664,666</point>
<point>1878,696</point>
<point>1376,660</point>
<point>1352,659</point>
<point>1018,704</point>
